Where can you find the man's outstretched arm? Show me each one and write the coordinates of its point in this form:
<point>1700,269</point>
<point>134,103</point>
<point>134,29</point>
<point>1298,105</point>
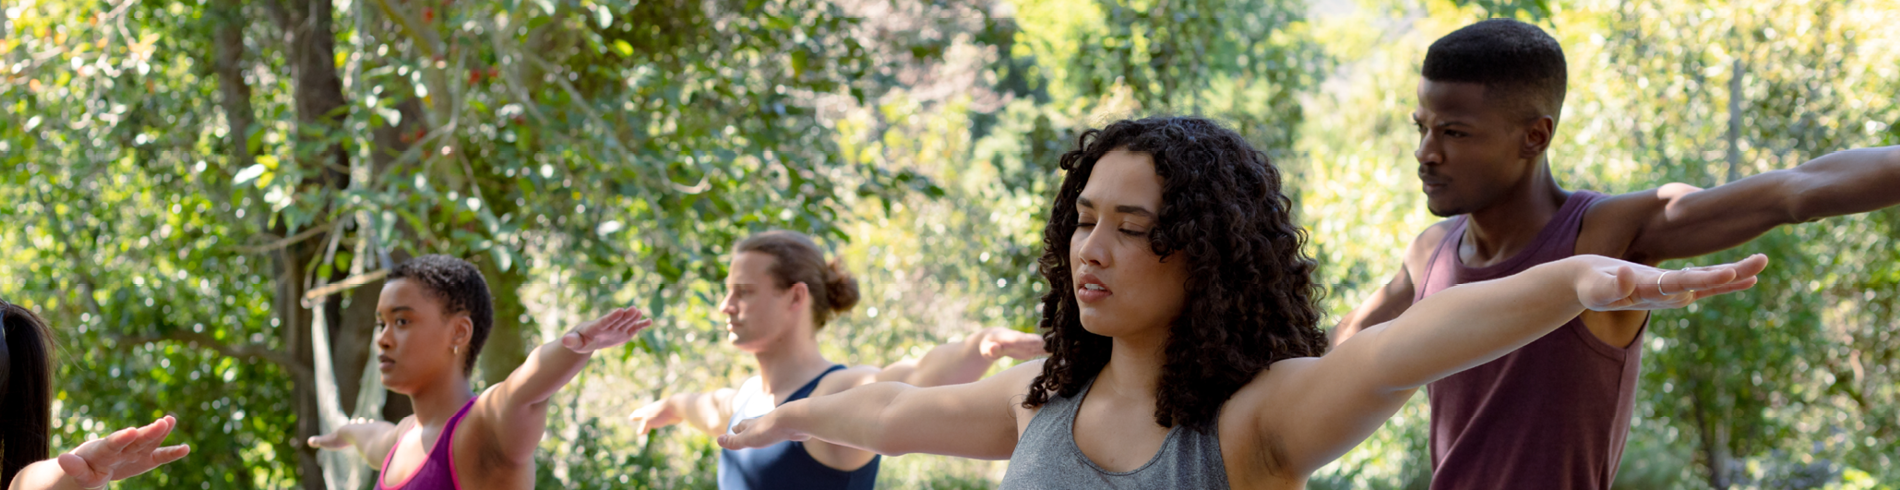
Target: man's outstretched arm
<point>1680,221</point>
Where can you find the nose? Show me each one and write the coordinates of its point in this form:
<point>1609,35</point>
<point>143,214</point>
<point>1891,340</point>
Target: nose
<point>384,340</point>
<point>1094,250</point>
<point>729,306</point>
<point>1428,153</point>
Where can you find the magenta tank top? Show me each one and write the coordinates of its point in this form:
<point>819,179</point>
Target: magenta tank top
<point>437,472</point>
<point>1552,415</point>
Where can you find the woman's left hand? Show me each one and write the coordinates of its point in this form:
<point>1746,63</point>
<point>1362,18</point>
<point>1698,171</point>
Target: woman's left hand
<point>614,329</point>
<point>1612,285</point>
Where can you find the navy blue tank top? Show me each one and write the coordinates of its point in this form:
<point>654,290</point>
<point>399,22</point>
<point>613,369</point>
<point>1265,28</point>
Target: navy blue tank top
<point>785,465</point>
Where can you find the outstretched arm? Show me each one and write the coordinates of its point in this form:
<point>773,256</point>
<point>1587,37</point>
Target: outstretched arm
<point>1679,221</point>
<point>373,439</point>
<point>1347,394</point>
<point>972,420</point>
<point>124,454</point>
<point>707,412</point>
<point>965,360</point>
<point>513,413</point>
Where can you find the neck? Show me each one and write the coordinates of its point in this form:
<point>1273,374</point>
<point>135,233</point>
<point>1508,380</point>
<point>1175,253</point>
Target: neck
<point>438,403</point>
<point>789,363</point>
<point>1134,369</point>
<point>1505,227</point>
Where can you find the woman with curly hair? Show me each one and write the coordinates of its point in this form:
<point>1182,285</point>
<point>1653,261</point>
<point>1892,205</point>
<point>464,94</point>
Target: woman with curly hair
<point>1178,287</point>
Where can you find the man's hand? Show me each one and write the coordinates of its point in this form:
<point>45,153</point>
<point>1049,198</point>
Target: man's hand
<point>122,455</point>
<point>614,329</point>
<point>1612,285</point>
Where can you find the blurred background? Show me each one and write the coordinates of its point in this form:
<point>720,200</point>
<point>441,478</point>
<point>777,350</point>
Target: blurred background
<point>199,196</point>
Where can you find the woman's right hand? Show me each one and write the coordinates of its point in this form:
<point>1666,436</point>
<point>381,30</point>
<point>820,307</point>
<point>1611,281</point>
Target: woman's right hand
<point>1609,284</point>
<point>124,454</point>
<point>359,434</point>
<point>654,415</point>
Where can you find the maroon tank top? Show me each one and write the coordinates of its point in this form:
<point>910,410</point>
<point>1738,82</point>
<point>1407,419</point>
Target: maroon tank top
<point>1552,415</point>
<point>437,472</point>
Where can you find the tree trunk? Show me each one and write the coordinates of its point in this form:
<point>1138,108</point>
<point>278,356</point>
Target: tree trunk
<point>236,94</point>
<point>1713,439</point>
<point>508,342</point>
<point>310,46</point>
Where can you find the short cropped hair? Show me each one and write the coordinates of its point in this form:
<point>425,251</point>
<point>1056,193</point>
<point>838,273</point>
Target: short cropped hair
<point>1519,65</point>
<point>462,290</point>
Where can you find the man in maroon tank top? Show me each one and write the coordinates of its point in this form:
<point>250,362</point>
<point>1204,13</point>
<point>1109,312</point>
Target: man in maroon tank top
<point>1554,414</point>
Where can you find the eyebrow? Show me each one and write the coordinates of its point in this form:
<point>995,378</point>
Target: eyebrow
<point>1124,209</point>
<point>398,309</point>
<point>1441,124</point>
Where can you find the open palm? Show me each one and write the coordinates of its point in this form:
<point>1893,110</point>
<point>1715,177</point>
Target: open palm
<point>122,455</point>
<point>614,329</point>
<point>1619,285</point>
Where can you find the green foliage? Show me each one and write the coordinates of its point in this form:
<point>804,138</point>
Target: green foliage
<point>595,153</point>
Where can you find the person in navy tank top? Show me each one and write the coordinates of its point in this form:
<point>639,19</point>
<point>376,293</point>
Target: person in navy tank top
<point>1489,99</point>
<point>781,291</point>
<point>1186,350</point>
<point>432,318</point>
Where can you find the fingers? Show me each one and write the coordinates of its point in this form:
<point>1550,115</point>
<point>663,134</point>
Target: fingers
<point>151,435</point>
<point>168,454</point>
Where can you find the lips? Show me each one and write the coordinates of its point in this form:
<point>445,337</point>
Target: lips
<point>1432,185</point>
<point>1091,289</point>
<point>383,363</point>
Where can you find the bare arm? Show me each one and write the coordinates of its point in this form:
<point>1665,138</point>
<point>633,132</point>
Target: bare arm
<point>707,412</point>
<point>1392,299</point>
<point>1385,304</point>
<point>1679,221</point>
<point>513,413</point>
<point>124,454</point>
<point>972,420</point>
<point>966,360</point>
<point>1347,394</point>
<point>373,440</point>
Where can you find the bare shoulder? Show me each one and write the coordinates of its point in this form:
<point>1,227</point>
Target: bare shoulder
<point>1420,250</point>
<point>1245,429</point>
<point>846,379</point>
<point>1282,377</point>
<point>1614,222</point>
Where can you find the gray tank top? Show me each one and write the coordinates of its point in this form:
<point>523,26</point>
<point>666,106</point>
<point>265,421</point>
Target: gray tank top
<point>1046,457</point>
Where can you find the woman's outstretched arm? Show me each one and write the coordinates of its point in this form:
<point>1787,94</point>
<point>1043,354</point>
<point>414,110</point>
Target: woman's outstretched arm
<point>974,420</point>
<point>1350,392</point>
<point>513,413</point>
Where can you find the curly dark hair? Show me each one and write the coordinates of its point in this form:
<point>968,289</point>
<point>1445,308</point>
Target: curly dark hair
<point>462,290</point>
<point>1250,293</point>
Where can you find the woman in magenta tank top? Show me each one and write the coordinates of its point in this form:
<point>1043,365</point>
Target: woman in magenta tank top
<point>433,316</point>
